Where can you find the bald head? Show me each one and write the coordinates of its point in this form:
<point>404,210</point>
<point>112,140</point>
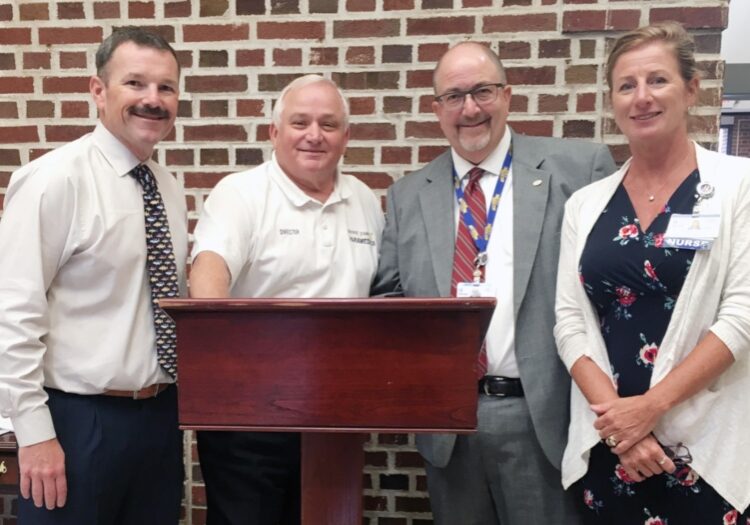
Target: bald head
<point>468,49</point>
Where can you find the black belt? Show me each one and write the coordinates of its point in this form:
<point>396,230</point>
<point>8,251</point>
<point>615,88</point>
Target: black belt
<point>501,386</point>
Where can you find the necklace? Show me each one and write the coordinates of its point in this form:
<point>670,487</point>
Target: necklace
<point>651,193</point>
<point>652,196</point>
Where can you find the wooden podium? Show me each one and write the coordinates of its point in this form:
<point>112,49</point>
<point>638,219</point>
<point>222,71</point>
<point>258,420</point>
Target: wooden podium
<point>332,369</point>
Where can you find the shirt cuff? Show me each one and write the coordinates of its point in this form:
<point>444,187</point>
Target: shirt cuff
<point>572,350</point>
<point>730,336</point>
<point>33,427</point>
<point>229,258</point>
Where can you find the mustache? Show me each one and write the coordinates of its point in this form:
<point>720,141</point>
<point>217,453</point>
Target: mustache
<point>149,111</point>
<point>474,121</point>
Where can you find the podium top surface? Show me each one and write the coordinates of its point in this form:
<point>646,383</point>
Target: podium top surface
<point>366,304</point>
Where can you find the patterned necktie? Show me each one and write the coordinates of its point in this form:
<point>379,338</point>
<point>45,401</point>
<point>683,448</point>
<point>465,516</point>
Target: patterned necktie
<point>162,269</point>
<point>466,251</point>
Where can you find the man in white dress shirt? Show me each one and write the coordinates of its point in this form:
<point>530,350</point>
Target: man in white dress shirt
<point>94,411</point>
<point>292,227</point>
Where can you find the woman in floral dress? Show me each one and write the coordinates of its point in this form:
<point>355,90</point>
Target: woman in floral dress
<point>653,309</point>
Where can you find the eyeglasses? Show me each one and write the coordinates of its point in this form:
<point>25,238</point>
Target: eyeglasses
<point>483,94</point>
<point>679,454</point>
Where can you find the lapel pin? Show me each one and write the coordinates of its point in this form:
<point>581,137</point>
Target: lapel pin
<point>537,182</point>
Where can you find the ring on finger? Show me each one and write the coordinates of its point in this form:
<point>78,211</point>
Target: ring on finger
<point>662,461</point>
<point>611,441</point>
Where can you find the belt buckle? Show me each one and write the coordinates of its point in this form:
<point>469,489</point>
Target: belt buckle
<point>504,393</point>
<point>147,392</point>
<point>486,388</point>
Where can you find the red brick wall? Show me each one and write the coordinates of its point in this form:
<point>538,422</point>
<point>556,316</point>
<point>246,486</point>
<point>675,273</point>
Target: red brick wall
<point>237,54</point>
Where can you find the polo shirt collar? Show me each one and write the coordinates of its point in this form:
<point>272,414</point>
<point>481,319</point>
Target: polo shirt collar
<point>117,155</point>
<point>341,188</point>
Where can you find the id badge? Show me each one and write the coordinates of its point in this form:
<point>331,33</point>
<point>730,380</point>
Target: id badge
<point>692,232</point>
<point>474,290</point>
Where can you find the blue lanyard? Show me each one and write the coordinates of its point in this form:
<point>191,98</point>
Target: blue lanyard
<point>482,240</point>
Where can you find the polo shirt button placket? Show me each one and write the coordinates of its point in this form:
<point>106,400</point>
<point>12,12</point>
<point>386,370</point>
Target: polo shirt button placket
<point>327,235</point>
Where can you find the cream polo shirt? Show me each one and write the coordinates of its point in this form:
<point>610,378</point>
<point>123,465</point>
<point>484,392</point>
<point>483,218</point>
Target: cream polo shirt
<point>501,355</point>
<point>279,242</point>
<point>75,303</point>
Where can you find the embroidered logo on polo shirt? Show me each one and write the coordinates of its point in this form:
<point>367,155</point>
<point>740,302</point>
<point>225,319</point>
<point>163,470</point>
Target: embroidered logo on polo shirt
<point>359,237</point>
<point>288,231</point>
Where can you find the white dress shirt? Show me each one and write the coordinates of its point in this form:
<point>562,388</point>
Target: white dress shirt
<point>75,303</point>
<point>713,423</point>
<point>501,355</point>
<point>279,242</point>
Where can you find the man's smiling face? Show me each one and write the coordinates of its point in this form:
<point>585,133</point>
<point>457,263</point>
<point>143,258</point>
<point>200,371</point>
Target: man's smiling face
<point>473,130</point>
<point>312,134</point>
<point>137,96</point>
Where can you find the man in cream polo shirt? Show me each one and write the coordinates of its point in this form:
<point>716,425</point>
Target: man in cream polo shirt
<point>292,227</point>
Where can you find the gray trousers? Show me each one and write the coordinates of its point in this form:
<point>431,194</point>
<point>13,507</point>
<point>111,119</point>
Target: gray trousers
<point>500,475</point>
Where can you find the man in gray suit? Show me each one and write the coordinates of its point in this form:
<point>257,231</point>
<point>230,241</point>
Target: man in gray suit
<point>508,472</point>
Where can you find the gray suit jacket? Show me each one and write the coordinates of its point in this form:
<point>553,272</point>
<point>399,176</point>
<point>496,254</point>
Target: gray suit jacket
<point>416,260</point>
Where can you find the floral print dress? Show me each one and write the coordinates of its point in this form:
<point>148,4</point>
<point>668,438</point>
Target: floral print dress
<point>633,283</point>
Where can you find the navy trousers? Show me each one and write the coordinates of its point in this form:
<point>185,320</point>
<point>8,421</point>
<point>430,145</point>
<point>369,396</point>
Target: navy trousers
<point>123,461</point>
<point>252,478</point>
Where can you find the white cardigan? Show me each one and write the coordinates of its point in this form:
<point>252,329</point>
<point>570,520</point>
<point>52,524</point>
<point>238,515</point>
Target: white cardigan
<point>715,423</point>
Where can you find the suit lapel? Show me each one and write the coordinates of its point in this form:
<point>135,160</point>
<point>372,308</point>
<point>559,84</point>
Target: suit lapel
<point>530,193</point>
<point>436,203</point>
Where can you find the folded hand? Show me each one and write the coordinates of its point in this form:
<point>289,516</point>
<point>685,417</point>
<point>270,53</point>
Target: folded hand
<point>626,421</point>
<point>645,458</point>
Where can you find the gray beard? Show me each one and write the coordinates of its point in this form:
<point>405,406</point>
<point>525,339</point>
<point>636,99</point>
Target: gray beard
<point>474,144</point>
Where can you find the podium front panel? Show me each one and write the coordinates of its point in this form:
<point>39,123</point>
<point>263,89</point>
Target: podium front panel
<point>329,365</point>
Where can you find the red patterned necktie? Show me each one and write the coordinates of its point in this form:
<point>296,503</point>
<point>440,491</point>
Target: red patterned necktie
<point>466,251</point>
<point>162,269</point>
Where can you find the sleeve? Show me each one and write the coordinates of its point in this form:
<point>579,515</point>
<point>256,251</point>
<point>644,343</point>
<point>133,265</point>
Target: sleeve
<point>732,324</point>
<point>570,328</point>
<point>387,280</point>
<point>225,227</point>
<point>36,238</point>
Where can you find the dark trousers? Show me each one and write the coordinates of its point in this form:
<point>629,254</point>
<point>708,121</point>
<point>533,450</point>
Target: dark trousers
<point>123,461</point>
<point>252,478</point>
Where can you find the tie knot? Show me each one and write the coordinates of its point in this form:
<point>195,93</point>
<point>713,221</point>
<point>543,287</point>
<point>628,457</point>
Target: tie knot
<point>145,178</point>
<point>474,175</point>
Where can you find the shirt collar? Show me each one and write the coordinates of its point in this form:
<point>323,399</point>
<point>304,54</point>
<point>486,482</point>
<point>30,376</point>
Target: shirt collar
<point>492,163</point>
<point>119,157</point>
<point>299,198</point>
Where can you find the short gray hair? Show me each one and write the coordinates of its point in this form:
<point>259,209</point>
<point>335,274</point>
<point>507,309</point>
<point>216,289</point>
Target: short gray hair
<point>301,82</point>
